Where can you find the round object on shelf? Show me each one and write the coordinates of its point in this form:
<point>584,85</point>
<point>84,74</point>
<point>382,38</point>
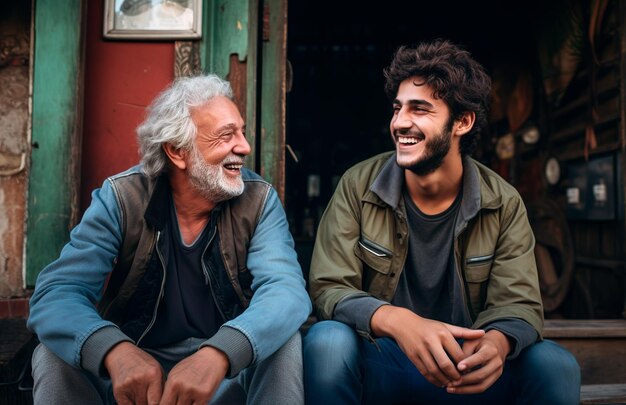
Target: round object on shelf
<point>552,171</point>
<point>531,135</point>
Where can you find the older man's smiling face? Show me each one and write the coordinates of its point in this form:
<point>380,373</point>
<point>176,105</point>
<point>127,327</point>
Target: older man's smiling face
<point>220,149</point>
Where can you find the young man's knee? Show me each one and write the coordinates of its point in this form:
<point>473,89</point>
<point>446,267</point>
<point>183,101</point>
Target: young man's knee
<point>549,355</point>
<point>331,353</point>
<point>552,374</point>
<point>330,338</point>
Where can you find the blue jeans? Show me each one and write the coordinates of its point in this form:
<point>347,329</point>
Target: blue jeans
<point>342,368</point>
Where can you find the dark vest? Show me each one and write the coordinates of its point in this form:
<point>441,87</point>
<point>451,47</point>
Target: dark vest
<point>133,286</point>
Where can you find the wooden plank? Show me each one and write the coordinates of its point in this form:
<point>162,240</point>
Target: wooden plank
<point>273,93</point>
<point>228,49</point>
<point>603,394</point>
<point>622,130</point>
<point>622,69</point>
<point>588,328</point>
<point>601,360</point>
<point>575,131</point>
<point>225,32</point>
<point>252,67</point>
<point>56,131</point>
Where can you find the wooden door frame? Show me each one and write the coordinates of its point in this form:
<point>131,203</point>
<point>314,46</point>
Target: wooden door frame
<point>273,94</point>
<point>245,41</point>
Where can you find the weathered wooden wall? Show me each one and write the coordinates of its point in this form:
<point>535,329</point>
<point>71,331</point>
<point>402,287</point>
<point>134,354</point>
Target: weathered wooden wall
<point>583,126</point>
<point>587,125</point>
<point>14,148</point>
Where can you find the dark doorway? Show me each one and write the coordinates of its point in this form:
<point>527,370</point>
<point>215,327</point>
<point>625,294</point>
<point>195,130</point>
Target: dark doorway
<point>337,112</point>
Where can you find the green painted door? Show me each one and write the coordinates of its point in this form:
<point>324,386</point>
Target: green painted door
<point>56,118</point>
<point>245,42</point>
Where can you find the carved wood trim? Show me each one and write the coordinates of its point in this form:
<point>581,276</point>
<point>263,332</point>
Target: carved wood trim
<point>186,58</point>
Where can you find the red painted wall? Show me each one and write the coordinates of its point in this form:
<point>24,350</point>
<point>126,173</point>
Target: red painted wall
<point>121,79</point>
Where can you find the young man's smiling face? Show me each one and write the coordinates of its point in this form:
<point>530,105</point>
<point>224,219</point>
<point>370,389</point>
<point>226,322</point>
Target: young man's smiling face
<point>421,127</point>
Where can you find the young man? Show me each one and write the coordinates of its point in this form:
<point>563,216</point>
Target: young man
<point>180,284</point>
<point>423,264</point>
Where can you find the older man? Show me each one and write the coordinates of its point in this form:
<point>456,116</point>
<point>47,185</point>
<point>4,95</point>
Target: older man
<point>180,284</point>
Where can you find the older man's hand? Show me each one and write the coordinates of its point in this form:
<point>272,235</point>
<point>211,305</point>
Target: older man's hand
<point>195,379</point>
<point>136,376</point>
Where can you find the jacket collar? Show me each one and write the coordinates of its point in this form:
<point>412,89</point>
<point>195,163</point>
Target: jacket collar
<point>158,208</point>
<point>387,186</point>
<point>158,205</point>
<point>477,194</point>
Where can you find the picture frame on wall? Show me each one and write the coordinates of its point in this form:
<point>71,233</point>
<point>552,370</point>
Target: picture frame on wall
<point>152,19</point>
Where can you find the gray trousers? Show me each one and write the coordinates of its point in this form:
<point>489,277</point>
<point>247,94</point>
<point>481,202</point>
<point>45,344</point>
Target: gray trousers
<point>276,380</point>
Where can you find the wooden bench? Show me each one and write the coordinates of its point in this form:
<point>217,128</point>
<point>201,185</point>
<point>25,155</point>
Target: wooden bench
<point>598,345</point>
<point>603,394</point>
<point>600,348</point>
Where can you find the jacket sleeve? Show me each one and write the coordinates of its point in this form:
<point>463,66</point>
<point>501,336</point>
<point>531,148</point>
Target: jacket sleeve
<point>513,288</point>
<point>336,272</point>
<point>280,303</point>
<point>63,306</point>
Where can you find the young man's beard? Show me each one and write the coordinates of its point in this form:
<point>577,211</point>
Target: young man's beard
<point>436,149</point>
<point>211,181</point>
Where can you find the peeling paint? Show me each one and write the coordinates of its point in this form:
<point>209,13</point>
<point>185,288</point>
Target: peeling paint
<point>4,222</point>
<point>14,119</point>
<point>12,209</point>
<point>13,109</point>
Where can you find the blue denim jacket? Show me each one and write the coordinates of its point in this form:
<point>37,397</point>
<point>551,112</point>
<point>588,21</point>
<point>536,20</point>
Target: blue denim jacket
<point>63,307</point>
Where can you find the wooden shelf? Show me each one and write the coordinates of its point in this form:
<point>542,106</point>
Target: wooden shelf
<point>584,328</point>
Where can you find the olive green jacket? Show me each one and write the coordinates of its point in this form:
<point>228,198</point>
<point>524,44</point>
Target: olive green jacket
<point>362,244</point>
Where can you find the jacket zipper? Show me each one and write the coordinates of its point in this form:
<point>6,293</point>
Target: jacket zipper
<point>156,306</point>
<point>479,259</point>
<point>204,271</point>
<point>207,279</point>
<point>459,275</point>
<point>374,249</point>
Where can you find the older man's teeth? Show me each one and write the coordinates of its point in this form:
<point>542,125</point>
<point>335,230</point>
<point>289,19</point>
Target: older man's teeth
<point>233,166</point>
<point>403,139</point>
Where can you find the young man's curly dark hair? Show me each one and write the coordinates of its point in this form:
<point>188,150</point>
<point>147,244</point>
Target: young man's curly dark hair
<point>455,77</point>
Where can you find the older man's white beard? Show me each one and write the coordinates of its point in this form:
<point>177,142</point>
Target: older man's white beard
<point>211,181</point>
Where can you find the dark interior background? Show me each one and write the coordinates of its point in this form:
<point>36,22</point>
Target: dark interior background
<point>338,115</point>
<point>337,112</point>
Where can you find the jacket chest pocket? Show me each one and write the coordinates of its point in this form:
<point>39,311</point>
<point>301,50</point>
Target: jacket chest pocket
<point>376,265</point>
<point>477,270</point>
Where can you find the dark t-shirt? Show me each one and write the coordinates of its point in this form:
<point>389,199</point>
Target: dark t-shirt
<point>427,282</point>
<point>187,308</point>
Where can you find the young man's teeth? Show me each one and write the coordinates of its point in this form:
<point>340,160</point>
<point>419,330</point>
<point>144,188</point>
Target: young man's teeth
<point>403,139</point>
